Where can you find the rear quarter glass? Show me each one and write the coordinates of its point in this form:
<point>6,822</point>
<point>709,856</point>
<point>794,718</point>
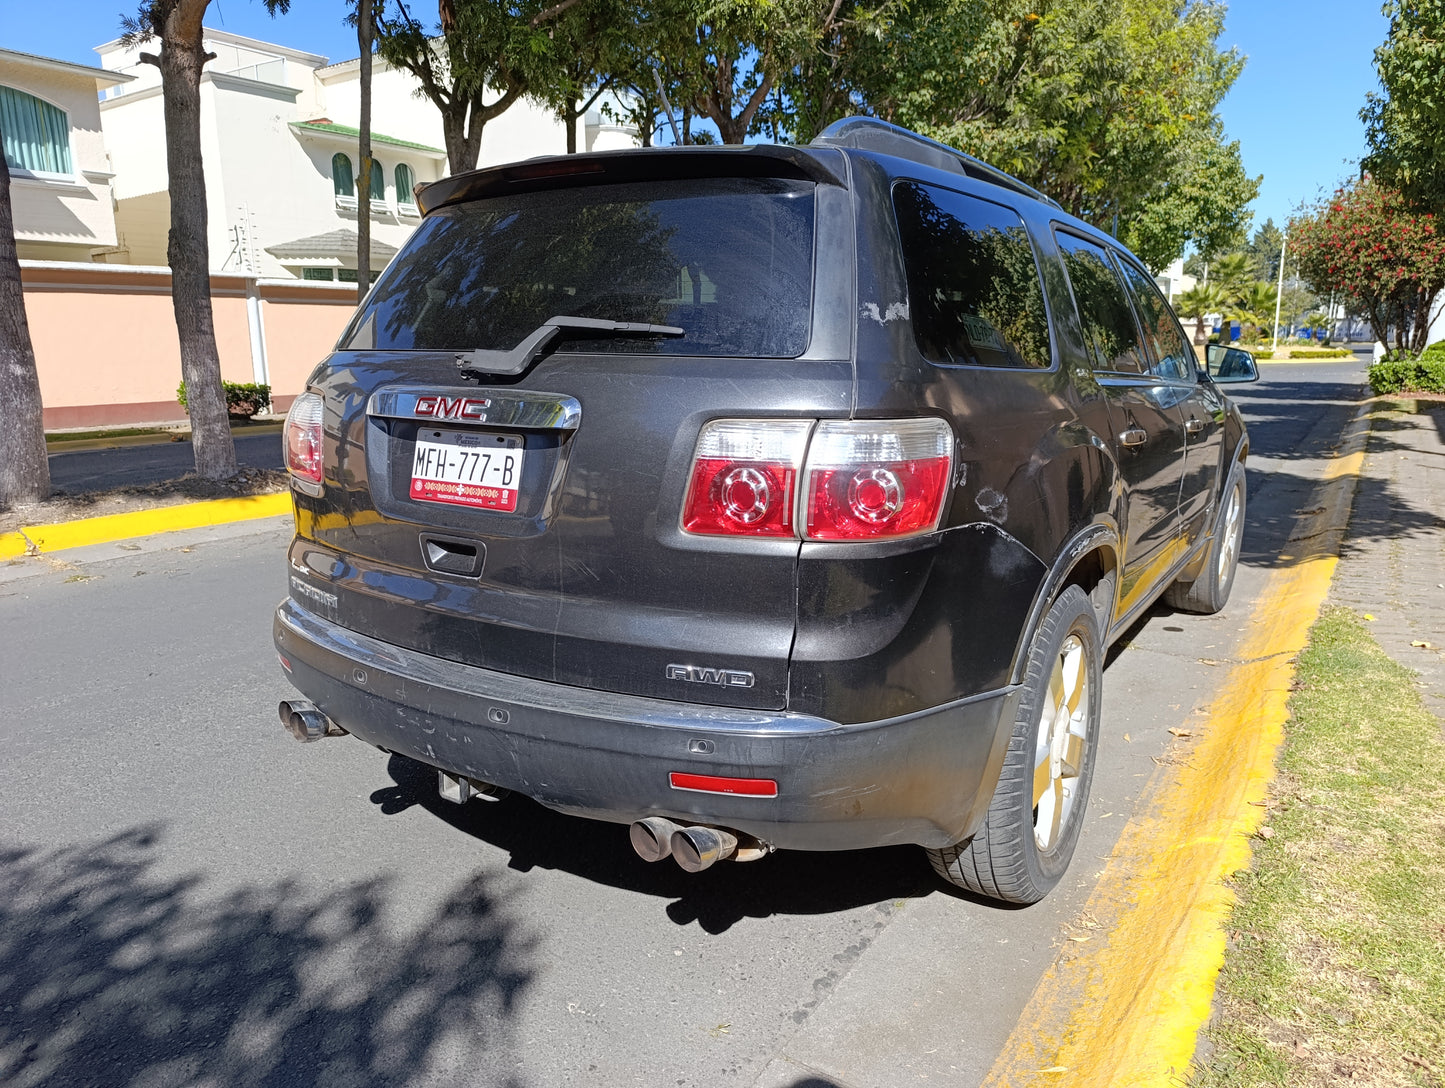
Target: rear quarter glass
<point>729,260</point>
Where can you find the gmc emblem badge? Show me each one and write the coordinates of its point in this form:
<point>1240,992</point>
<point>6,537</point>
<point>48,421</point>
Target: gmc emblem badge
<point>726,678</point>
<point>438,407</point>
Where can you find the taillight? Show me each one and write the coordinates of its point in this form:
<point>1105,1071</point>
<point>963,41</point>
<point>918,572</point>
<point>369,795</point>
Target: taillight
<point>303,443</point>
<point>744,474</point>
<point>871,480</point>
<point>861,480</point>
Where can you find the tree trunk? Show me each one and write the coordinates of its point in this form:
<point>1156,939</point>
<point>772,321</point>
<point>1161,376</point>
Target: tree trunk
<point>569,120</point>
<point>363,196</point>
<point>188,250</point>
<point>24,469</point>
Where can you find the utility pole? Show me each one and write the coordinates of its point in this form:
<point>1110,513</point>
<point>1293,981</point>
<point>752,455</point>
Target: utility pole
<point>1279,288</point>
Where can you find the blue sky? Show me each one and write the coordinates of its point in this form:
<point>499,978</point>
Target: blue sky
<point>1295,109</point>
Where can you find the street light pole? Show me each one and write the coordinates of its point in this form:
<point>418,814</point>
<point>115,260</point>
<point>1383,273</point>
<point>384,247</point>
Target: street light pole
<point>1279,288</point>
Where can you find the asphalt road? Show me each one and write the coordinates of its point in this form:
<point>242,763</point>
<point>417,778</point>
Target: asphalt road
<point>137,465</point>
<point>189,897</point>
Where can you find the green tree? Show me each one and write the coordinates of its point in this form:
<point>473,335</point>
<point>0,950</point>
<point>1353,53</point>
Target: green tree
<point>1264,249</point>
<point>473,64</point>
<point>24,468</point>
<point>1199,301</point>
<point>587,55</point>
<point>1109,108</point>
<point>177,24</point>
<point>1387,260</point>
<point>1405,126</point>
<point>1253,308</point>
<point>1233,275</point>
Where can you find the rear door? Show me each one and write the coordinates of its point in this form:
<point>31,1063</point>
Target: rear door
<point>1172,359</point>
<point>1143,409</point>
<point>531,523</point>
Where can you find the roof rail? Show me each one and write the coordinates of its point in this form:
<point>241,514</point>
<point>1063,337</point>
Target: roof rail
<point>871,134</point>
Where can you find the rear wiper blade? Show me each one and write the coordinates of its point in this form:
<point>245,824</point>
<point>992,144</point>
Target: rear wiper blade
<point>482,362</point>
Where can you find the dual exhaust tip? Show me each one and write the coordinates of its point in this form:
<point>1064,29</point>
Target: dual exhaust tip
<point>694,848</point>
<point>304,722</point>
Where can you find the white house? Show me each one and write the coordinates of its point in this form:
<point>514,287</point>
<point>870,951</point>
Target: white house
<point>280,147</point>
<point>60,174</point>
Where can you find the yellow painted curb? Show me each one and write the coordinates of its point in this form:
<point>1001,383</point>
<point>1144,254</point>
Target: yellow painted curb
<point>1123,1006</point>
<point>38,539</point>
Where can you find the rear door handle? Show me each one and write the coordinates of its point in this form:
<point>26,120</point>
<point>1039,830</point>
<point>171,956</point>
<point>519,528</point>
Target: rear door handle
<point>1193,426</point>
<point>1134,436</point>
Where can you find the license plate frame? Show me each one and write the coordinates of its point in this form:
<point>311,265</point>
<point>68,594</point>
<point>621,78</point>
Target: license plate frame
<point>478,470</point>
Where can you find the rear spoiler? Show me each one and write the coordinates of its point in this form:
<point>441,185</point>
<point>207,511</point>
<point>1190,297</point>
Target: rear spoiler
<point>822,166</point>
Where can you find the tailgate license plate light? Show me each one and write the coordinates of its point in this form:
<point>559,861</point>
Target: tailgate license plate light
<point>459,468</point>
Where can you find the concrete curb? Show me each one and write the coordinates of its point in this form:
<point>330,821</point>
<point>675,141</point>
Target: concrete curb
<point>43,539</point>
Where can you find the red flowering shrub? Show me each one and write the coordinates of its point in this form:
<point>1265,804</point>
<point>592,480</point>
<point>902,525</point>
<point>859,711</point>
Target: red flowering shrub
<point>1390,262</point>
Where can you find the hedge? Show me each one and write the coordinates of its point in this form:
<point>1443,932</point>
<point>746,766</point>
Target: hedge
<point>1423,375</point>
<point>1319,353</point>
<point>243,399</point>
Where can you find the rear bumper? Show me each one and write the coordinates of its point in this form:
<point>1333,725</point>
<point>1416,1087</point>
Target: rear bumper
<point>924,778</point>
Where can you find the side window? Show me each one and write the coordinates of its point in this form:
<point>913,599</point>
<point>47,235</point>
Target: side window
<point>1110,335</point>
<point>341,176</point>
<point>974,292</point>
<point>1173,355</point>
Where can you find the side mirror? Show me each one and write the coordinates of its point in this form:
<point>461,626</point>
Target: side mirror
<point>1228,365</point>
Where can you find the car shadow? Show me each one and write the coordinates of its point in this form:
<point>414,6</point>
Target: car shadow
<point>792,883</point>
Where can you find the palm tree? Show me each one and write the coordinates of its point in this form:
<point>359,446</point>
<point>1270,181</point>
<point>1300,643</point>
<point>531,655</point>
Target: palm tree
<point>1198,301</point>
<point>1316,322</point>
<point>1232,273</point>
<point>1253,308</point>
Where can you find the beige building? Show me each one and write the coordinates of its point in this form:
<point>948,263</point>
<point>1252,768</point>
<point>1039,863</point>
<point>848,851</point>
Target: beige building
<point>280,146</point>
<point>60,174</point>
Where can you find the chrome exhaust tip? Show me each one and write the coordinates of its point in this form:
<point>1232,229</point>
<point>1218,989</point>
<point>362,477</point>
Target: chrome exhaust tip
<point>697,848</point>
<point>304,722</point>
<point>652,837</point>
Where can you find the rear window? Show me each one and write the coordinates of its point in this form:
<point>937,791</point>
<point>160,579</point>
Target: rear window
<point>728,260</point>
<point>974,293</point>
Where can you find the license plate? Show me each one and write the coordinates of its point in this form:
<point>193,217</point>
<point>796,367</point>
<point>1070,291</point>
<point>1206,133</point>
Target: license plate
<point>464,469</point>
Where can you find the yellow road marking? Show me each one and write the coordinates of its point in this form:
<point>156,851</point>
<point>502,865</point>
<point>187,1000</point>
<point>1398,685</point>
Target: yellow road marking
<point>37,539</point>
<point>1127,1011</point>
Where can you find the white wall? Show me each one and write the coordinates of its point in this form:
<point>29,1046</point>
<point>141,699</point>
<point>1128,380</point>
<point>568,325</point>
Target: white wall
<point>74,210</point>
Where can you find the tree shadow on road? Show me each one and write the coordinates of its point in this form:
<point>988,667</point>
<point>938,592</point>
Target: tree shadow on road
<point>114,974</point>
<point>792,882</point>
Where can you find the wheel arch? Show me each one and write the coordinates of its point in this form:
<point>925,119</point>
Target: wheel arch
<point>1090,560</point>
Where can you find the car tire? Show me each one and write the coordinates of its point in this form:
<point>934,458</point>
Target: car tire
<point>1037,810</point>
<point>1208,593</point>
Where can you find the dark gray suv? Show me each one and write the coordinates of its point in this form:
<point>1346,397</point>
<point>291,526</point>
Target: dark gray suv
<point>757,498</point>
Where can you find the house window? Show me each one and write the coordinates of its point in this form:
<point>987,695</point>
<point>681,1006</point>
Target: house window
<point>37,134</point>
<point>316,274</point>
<point>341,175</point>
<point>378,182</point>
<point>404,183</point>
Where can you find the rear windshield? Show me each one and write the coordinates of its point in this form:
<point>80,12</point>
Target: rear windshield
<point>728,260</point>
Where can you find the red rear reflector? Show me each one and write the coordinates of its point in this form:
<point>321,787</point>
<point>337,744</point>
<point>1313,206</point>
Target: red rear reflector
<point>709,783</point>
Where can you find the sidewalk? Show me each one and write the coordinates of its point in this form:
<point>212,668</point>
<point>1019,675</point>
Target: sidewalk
<point>1392,566</point>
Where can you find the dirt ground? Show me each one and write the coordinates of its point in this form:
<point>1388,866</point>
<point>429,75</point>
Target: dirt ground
<point>63,506</point>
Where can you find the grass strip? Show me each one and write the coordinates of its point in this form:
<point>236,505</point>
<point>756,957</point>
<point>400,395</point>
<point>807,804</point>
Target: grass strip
<point>1336,965</point>
<point>61,437</point>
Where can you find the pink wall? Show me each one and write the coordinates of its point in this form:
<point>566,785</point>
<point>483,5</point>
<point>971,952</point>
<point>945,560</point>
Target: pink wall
<point>106,348</point>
